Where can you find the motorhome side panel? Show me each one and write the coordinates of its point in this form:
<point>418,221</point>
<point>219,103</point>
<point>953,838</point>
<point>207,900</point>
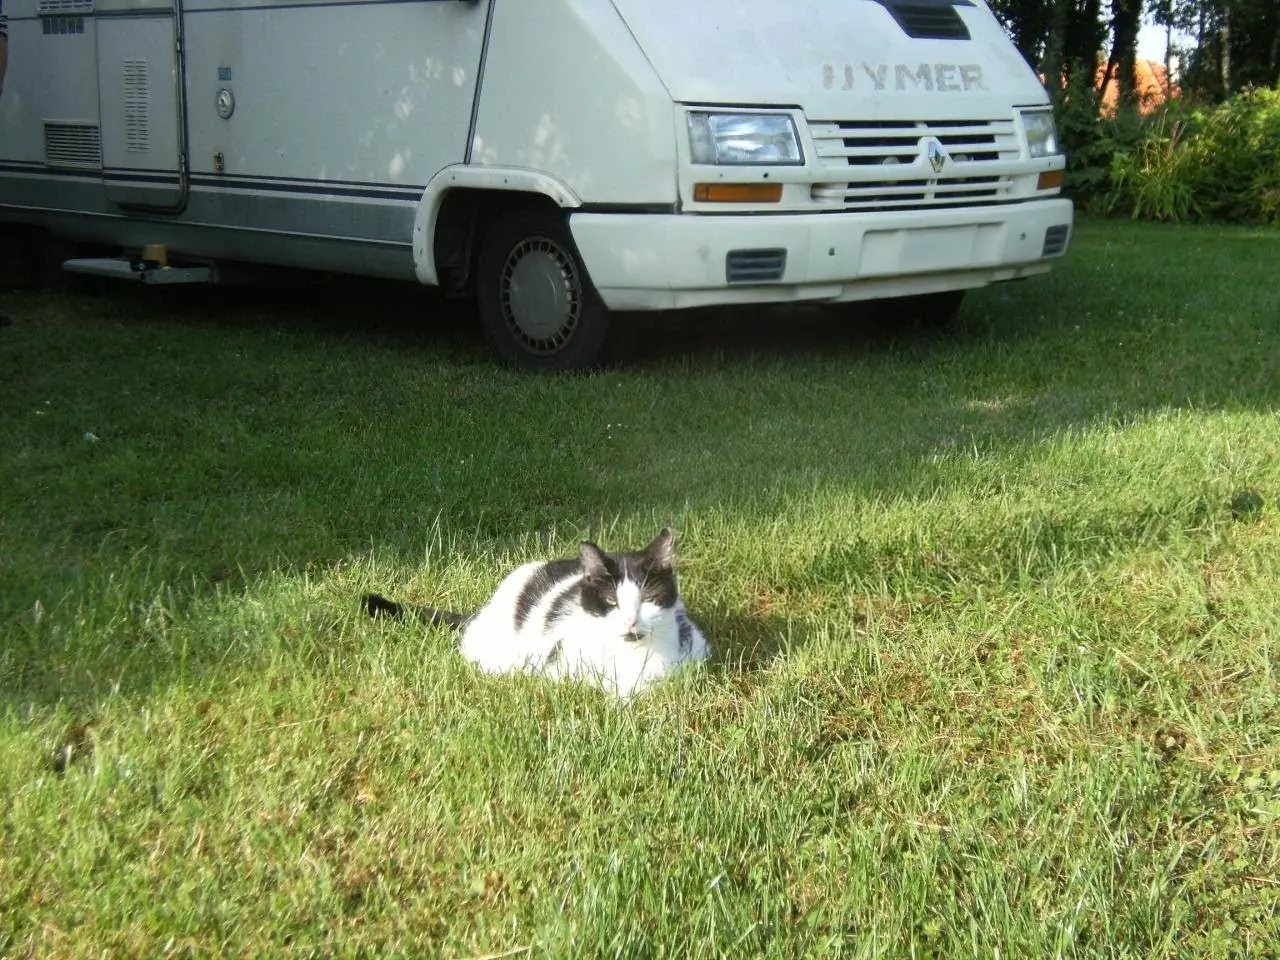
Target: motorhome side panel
<point>139,92</point>
<point>568,92</point>
<point>370,93</point>
<point>311,128</point>
<point>325,122</point>
<point>49,125</point>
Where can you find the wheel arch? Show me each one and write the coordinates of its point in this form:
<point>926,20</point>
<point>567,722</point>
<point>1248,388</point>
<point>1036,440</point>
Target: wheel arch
<point>457,200</point>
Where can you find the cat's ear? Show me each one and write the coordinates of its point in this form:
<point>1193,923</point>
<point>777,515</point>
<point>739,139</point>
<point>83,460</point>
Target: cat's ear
<point>662,551</point>
<point>592,557</point>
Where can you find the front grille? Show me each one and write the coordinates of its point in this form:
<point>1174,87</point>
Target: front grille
<point>1055,240</point>
<point>755,266</point>
<point>878,164</point>
<point>72,144</point>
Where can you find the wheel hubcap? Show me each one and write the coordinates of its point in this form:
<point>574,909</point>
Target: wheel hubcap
<point>541,295</point>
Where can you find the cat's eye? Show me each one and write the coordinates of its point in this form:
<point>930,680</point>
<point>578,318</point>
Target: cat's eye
<point>610,601</point>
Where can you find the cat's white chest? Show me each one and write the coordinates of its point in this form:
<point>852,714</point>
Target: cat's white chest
<point>618,666</point>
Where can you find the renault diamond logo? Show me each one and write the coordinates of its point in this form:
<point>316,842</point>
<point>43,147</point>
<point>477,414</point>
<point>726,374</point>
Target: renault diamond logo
<point>937,156</point>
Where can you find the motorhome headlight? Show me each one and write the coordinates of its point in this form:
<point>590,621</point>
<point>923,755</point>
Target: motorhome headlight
<point>1042,134</point>
<point>744,138</point>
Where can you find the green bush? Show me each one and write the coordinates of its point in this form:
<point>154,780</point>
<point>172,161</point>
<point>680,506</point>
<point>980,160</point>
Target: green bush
<point>1082,136</point>
<point>1181,162</point>
<point>1238,158</point>
<point>1156,177</point>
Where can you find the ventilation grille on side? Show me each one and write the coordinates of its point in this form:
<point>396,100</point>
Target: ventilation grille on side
<point>71,144</point>
<point>62,26</point>
<point>755,266</point>
<point>48,8</point>
<point>137,106</point>
<point>1055,240</point>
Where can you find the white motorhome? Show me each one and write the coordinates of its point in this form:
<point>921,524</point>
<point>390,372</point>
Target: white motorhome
<point>560,160</point>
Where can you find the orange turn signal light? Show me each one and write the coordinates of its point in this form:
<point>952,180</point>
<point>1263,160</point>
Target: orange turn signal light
<point>1049,180</point>
<point>737,192</point>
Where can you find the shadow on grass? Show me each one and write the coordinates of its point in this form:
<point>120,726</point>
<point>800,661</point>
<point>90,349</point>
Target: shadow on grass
<point>243,430</point>
<point>745,642</point>
<point>352,312</point>
<point>349,312</point>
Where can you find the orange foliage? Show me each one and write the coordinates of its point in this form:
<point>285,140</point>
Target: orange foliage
<point>1152,85</point>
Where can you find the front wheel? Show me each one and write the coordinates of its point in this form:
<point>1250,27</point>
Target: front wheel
<point>537,305</point>
<point>933,311</point>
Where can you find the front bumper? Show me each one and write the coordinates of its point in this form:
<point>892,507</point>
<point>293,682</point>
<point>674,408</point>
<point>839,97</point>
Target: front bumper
<point>673,261</point>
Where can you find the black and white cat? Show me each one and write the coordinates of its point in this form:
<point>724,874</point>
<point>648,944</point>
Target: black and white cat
<point>615,619</point>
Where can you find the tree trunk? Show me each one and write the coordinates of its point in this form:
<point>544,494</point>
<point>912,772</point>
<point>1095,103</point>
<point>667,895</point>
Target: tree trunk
<point>1275,55</point>
<point>1084,37</point>
<point>1224,49</point>
<point>1126,19</point>
<point>1051,65</point>
<point>1105,85</point>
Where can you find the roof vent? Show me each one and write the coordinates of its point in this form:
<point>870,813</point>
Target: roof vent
<point>929,19</point>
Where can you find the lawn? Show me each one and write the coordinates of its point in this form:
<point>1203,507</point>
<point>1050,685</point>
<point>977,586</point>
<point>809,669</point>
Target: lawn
<point>997,619</point>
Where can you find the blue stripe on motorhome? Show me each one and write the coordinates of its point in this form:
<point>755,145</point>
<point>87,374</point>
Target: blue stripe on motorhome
<point>244,183</point>
<point>189,8</point>
<point>317,188</point>
<point>229,183</point>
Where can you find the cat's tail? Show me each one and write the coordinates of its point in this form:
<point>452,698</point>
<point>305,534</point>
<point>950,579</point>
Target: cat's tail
<point>377,605</point>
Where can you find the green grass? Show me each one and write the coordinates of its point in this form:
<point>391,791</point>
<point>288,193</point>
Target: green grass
<point>997,658</point>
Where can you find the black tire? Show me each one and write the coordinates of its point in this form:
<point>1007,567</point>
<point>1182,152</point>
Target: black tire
<point>560,324</point>
<point>921,311</point>
<point>933,311</point>
<point>27,258</point>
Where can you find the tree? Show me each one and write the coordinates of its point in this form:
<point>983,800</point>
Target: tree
<point>1237,43</point>
<point>1057,37</point>
<point>1085,32</point>
<point>1126,19</point>
<point>1028,24</point>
